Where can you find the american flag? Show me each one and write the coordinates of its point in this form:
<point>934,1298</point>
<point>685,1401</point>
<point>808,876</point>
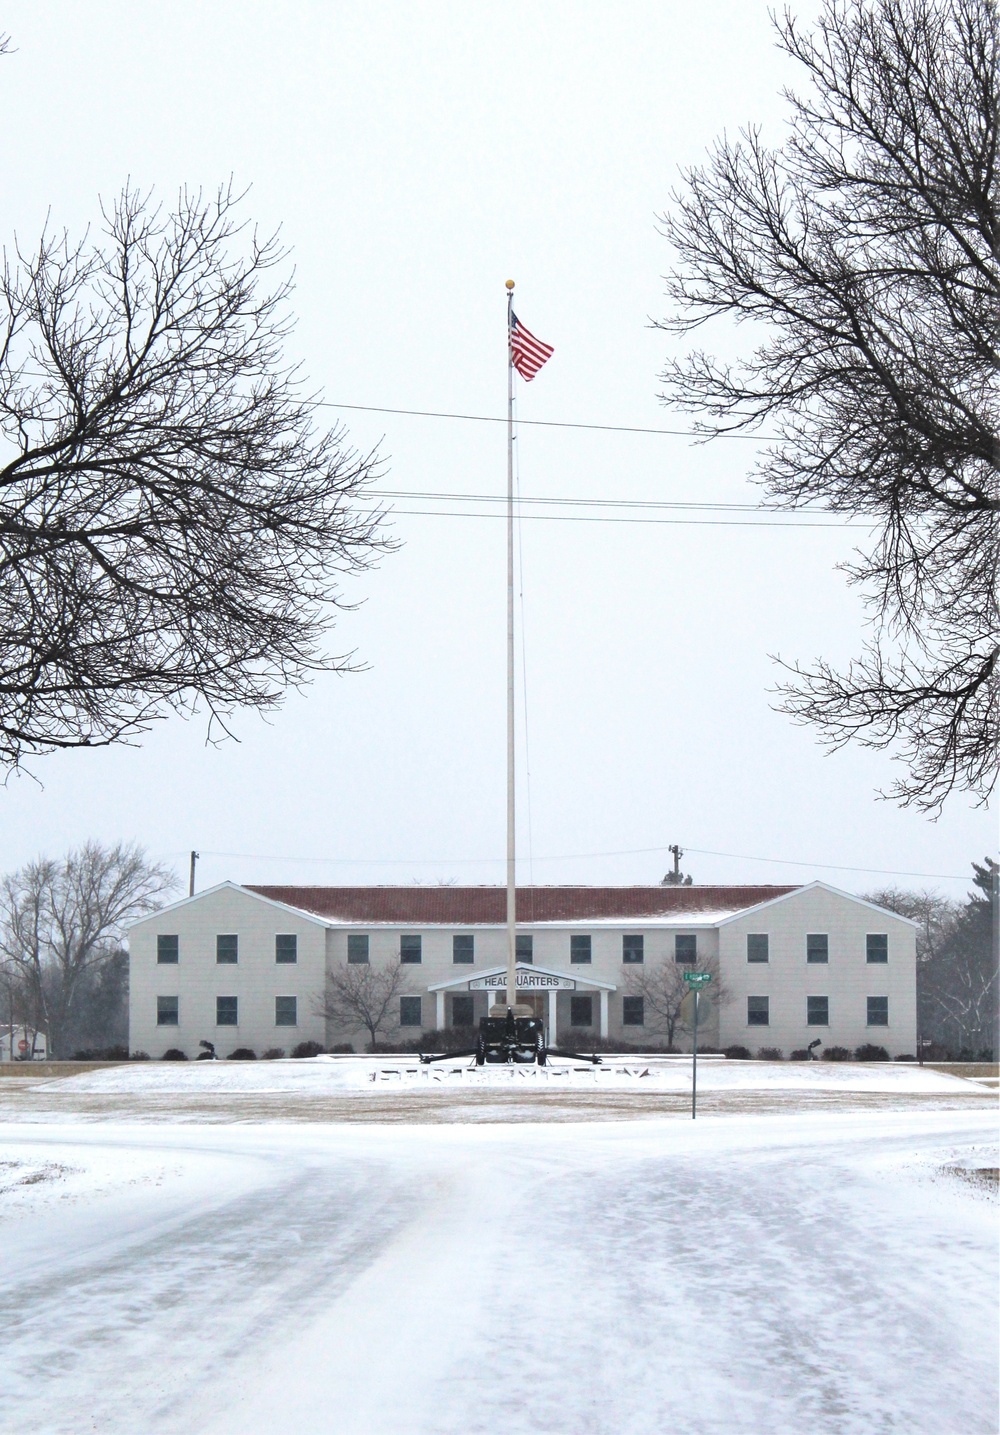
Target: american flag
<point>527,353</point>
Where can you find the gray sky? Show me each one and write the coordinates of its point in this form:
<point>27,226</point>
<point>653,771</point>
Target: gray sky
<point>415,156</point>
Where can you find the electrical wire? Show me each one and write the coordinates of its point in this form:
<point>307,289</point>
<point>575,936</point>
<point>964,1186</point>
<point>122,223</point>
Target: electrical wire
<point>586,518</point>
<point>544,423</point>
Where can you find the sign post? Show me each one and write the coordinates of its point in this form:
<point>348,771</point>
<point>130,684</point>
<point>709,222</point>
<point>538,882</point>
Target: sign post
<point>695,981</point>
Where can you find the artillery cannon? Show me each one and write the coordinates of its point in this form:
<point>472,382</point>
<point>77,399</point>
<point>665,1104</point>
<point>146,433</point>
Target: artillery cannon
<point>510,1039</point>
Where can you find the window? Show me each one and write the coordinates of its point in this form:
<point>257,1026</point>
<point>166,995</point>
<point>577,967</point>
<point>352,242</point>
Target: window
<point>463,948</point>
<point>581,1010</point>
<point>525,948</point>
<point>357,947</point>
<point>166,1011</point>
<point>758,1011</point>
<point>286,949</point>
<point>462,1009</point>
<point>758,947</point>
<point>409,1010</point>
<point>632,1010</point>
<point>818,1011</point>
<point>226,1011</point>
<point>632,952</point>
<point>409,951</point>
<point>685,949</point>
<point>878,1011</point>
<point>876,947</point>
<point>168,950</point>
<point>579,951</point>
<point>227,948</point>
<point>817,947</point>
<point>286,1011</point>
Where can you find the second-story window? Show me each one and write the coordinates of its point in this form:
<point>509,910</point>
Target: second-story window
<point>167,950</point>
<point>525,947</point>
<point>877,947</point>
<point>685,948</point>
<point>758,947</point>
<point>817,947</point>
<point>410,950</point>
<point>579,949</point>
<point>286,948</point>
<point>633,951</point>
<point>463,948</point>
<point>357,947</point>
<point>227,948</point>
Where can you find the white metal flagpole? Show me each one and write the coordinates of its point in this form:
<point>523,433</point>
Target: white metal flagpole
<point>511,862</point>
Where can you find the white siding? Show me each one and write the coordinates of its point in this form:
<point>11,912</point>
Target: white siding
<point>847,980</point>
<point>198,979</point>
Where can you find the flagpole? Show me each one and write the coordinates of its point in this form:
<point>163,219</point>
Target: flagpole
<point>511,862</point>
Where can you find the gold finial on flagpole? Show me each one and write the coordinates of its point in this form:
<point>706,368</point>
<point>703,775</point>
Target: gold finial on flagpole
<point>510,283</point>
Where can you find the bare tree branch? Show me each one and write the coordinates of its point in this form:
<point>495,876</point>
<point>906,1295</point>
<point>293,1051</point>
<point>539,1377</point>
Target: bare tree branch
<point>172,522</point>
<point>362,996</point>
<point>868,248</point>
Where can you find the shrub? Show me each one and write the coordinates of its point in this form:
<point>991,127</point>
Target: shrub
<point>102,1053</point>
<point>770,1053</point>
<point>801,1053</point>
<point>340,1048</point>
<point>173,1053</point>
<point>905,1057</point>
<point>139,1056</point>
<point>273,1053</point>
<point>737,1053</point>
<point>308,1048</point>
<point>868,1051</point>
<point>205,1056</point>
<point>836,1053</point>
<point>242,1053</point>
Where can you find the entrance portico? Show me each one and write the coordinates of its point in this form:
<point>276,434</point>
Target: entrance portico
<point>531,981</point>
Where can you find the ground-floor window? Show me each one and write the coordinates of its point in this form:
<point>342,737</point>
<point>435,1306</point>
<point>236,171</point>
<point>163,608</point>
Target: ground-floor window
<point>758,1011</point>
<point>166,1011</point>
<point>581,1011</point>
<point>226,1011</point>
<point>286,1011</point>
<point>409,1011</point>
<point>462,1009</point>
<point>878,1011</point>
<point>818,1011</point>
<point>633,1013</point>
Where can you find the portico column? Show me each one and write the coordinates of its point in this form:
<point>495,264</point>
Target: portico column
<point>553,1000</point>
<point>439,1010</point>
<point>604,1015</point>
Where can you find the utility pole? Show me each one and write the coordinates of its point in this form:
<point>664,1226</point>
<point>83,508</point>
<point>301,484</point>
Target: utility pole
<point>194,859</point>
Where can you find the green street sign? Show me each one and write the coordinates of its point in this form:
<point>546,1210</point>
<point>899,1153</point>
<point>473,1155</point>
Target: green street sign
<point>697,979</point>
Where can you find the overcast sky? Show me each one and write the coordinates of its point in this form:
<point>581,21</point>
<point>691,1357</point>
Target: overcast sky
<point>416,155</point>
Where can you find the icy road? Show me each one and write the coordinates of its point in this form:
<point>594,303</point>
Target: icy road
<point>821,1273</point>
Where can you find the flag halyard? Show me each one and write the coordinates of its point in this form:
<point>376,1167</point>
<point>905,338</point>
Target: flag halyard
<point>527,353</point>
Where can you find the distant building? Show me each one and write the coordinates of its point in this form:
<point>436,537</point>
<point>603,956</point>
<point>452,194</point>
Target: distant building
<point>247,966</point>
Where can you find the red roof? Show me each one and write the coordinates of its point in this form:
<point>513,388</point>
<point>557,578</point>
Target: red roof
<point>487,906</point>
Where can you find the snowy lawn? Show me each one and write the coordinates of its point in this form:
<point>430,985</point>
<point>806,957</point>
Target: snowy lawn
<point>338,1075</point>
<point>774,1274</point>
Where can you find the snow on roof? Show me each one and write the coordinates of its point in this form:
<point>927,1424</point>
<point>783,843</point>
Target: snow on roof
<point>487,906</point>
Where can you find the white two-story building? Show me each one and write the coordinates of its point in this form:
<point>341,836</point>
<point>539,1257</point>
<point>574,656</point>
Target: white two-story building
<point>248,966</point>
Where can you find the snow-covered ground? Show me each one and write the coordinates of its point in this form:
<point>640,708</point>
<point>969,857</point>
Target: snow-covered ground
<point>821,1273</point>
<point>336,1075</point>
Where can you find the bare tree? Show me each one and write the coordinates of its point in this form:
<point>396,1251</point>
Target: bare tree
<point>364,996</point>
<point>60,921</point>
<point>172,521</point>
<point>957,958</point>
<point>664,993</point>
<point>867,248</point>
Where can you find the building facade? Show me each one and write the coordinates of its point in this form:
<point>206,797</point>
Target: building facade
<point>243,966</point>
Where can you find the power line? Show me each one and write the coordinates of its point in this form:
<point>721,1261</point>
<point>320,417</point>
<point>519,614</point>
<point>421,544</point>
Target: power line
<point>544,423</point>
<point>585,518</point>
<point>655,503</point>
<point>574,856</point>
